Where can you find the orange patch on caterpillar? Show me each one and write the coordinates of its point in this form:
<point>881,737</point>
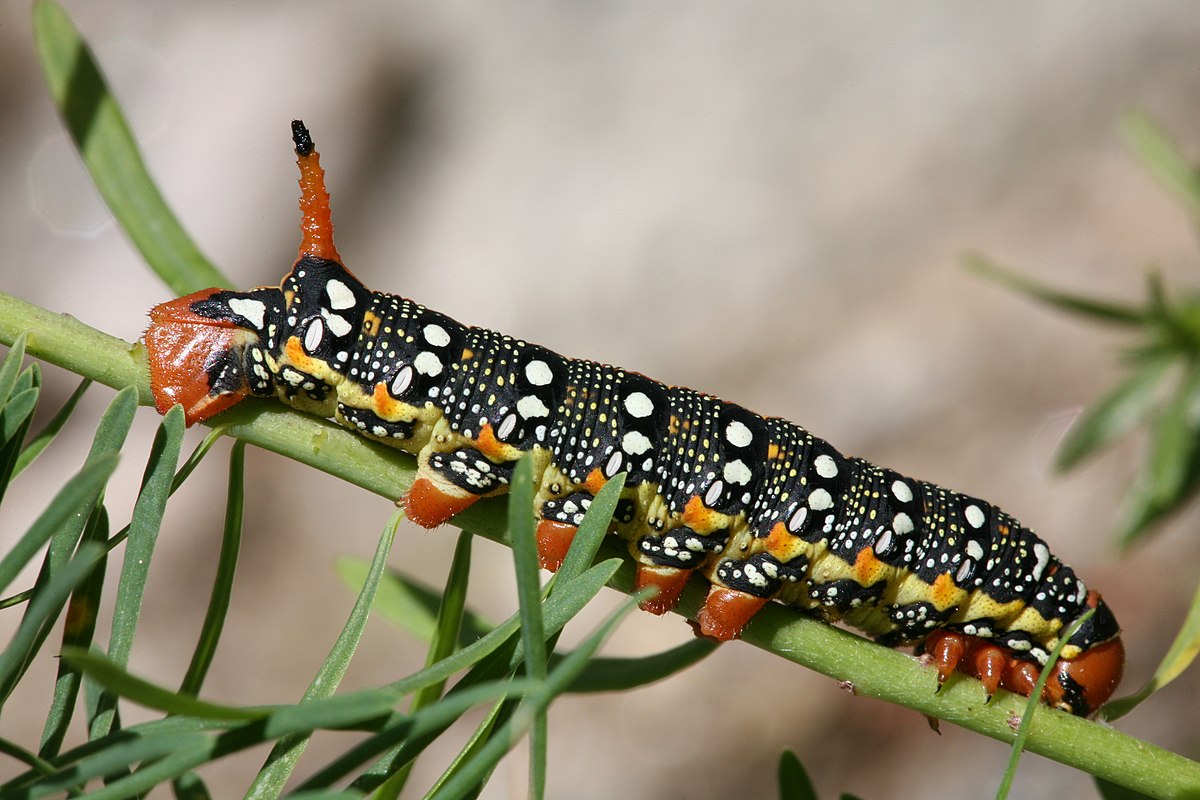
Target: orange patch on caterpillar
<point>553,540</point>
<point>595,481</point>
<point>783,544</point>
<point>868,569</point>
<point>383,404</point>
<point>298,358</point>
<point>492,447</point>
<point>700,517</point>
<point>944,592</point>
<point>428,505</point>
<point>668,580</point>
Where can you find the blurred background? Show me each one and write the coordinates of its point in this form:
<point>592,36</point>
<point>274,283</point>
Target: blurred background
<point>764,201</point>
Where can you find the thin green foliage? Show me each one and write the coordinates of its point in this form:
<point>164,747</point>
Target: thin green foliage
<point>623,674</point>
<point>139,550</point>
<point>47,434</point>
<point>1163,159</point>
<point>411,605</point>
<point>521,527</point>
<point>76,498</point>
<point>794,783</point>
<point>44,608</point>
<point>286,753</point>
<point>445,637</point>
<point>83,607</point>
<point>222,591</point>
<point>538,701</point>
<point>105,142</point>
<point>119,683</point>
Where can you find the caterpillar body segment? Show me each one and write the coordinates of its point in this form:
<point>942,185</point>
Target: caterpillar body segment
<point>758,506</point>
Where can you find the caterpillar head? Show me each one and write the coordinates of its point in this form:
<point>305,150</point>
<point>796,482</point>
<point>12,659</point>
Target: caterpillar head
<point>202,348</point>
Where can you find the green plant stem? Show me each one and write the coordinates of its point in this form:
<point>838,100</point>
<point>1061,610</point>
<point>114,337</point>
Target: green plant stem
<point>861,665</point>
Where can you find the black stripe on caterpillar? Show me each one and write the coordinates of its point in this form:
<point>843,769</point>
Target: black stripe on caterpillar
<point>757,505</point>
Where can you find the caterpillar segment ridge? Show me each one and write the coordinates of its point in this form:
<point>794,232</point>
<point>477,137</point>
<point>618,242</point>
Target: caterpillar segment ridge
<point>757,506</point>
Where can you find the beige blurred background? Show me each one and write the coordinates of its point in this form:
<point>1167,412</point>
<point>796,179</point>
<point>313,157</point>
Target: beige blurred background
<point>765,201</point>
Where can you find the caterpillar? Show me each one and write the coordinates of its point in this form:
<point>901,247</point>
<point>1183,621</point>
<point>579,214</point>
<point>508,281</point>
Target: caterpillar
<point>757,505</point>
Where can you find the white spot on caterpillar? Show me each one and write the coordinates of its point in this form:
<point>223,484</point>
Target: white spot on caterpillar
<point>820,500</point>
<point>974,549</point>
<point>1042,553</point>
<point>635,443</point>
<point>253,310</point>
<point>614,464</point>
<point>436,335</point>
<point>738,435</point>
<point>339,294</point>
<point>538,373</point>
<point>797,521</point>
<point>639,405</point>
<point>975,516</point>
<point>737,472</point>
<point>902,491</point>
<point>338,325</point>
<point>826,467</point>
<point>507,426</point>
<point>531,406</point>
<point>314,335</point>
<point>884,542</point>
<point>402,381</point>
<point>902,523</point>
<point>714,494</point>
<point>428,363</point>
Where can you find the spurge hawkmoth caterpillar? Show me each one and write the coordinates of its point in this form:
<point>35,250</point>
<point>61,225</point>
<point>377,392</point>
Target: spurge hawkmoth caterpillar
<point>757,505</point>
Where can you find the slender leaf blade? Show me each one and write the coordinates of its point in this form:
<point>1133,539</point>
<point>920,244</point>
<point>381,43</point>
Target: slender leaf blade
<point>46,435</point>
<point>111,155</point>
<point>43,608</point>
<point>1163,160</point>
<point>623,674</point>
<point>1102,310</point>
<point>74,500</point>
<point>11,367</point>
<point>409,604</point>
<point>1124,407</point>
<point>120,683</point>
<point>222,591</point>
<point>80,627</point>
<point>277,769</point>
<point>147,518</point>
<point>794,783</point>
